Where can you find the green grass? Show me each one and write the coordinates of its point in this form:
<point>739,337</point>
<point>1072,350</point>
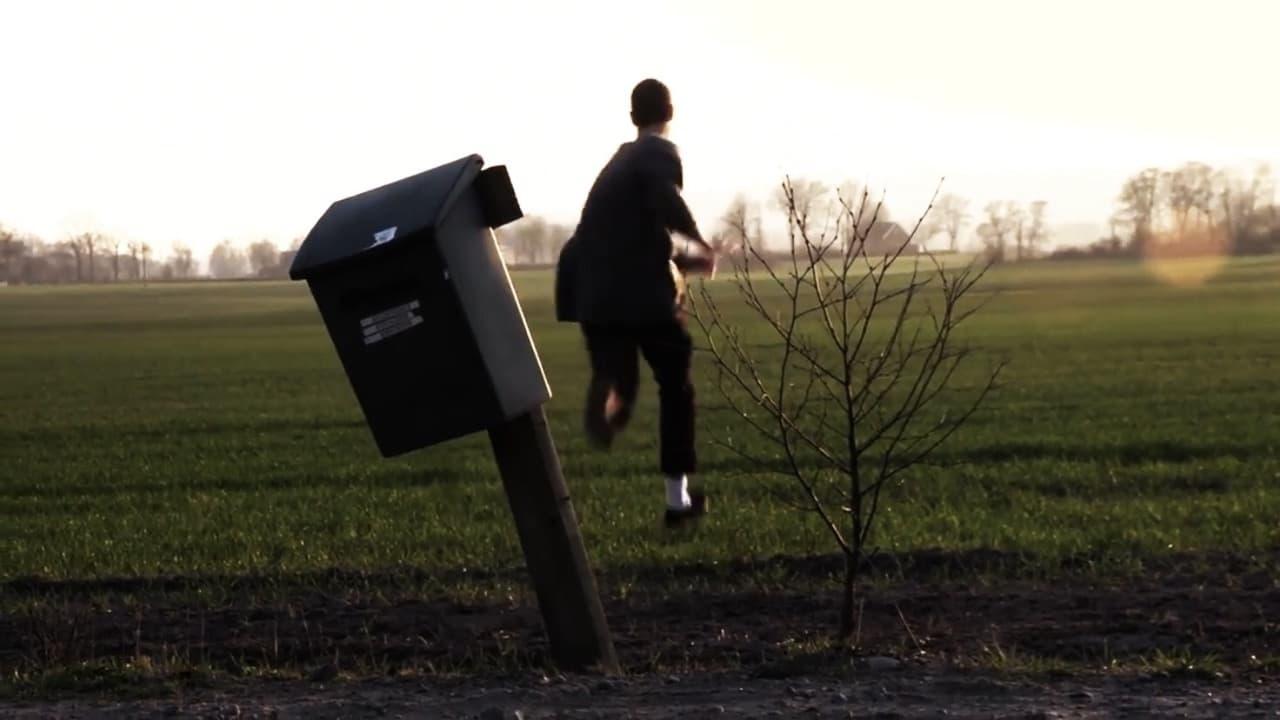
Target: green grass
<point>209,429</point>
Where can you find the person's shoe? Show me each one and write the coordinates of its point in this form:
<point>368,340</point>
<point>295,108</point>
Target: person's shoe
<point>680,518</point>
<point>595,416</point>
<point>597,429</point>
<point>599,436</point>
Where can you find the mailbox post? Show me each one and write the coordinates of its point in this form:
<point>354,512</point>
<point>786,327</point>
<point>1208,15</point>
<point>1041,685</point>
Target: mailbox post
<point>426,323</point>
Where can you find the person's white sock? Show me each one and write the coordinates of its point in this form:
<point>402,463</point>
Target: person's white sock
<point>678,492</point>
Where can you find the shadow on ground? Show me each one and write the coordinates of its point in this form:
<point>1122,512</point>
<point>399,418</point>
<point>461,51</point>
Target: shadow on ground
<point>1221,608</point>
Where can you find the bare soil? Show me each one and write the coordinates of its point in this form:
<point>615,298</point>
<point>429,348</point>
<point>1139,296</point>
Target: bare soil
<point>1175,641</point>
<point>900,694</point>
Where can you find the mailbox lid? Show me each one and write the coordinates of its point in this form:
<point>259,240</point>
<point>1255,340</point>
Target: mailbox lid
<point>374,221</point>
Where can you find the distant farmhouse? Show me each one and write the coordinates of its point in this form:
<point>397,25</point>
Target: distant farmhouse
<point>888,238</point>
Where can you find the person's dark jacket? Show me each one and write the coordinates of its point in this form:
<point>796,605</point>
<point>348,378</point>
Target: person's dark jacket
<point>615,270</point>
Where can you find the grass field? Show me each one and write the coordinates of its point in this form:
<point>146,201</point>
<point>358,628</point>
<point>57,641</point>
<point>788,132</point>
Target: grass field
<point>187,486</point>
<point>208,429</point>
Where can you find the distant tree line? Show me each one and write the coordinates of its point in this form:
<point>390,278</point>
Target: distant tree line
<point>1188,211</point>
<point>1010,231</point>
<point>99,258</point>
<point>1007,231</point>
<point>532,241</point>
<point>260,259</point>
<point>92,257</point>
<point>86,257</point>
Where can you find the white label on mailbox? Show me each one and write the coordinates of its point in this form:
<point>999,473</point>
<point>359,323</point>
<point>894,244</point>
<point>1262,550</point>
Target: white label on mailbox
<point>388,323</point>
<point>384,236</point>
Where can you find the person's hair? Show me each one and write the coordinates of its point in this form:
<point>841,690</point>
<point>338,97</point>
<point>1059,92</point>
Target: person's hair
<point>650,103</point>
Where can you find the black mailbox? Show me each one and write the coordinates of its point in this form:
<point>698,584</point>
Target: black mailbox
<point>418,303</point>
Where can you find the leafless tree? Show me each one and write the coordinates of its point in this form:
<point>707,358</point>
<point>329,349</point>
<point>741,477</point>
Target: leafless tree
<point>952,212</point>
<point>10,250</point>
<point>1001,223</point>
<point>114,244</point>
<point>870,210</point>
<point>1190,195</point>
<point>810,200</point>
<point>1139,203</point>
<point>857,382</point>
<point>1264,185</point>
<point>931,228</point>
<point>1240,205</point>
<point>856,194</point>
<point>135,253</point>
<point>92,241</point>
<point>526,240</point>
<point>1265,213</point>
<point>263,256</point>
<point>1115,224</point>
<point>227,261</point>
<point>557,236</point>
<point>20,252</point>
<point>79,246</point>
<point>1017,221</point>
<point>737,224</point>
<point>83,247</point>
<point>182,261</point>
<point>1196,210</point>
<point>1037,232</point>
<point>144,251</point>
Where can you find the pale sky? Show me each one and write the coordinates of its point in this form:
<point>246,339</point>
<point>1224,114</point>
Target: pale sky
<point>197,121</point>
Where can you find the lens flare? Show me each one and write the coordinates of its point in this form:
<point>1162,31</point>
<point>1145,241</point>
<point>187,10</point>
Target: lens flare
<point>1187,256</point>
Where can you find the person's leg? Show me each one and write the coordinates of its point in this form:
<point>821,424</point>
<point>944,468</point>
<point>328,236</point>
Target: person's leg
<point>669,351</point>
<point>626,384</point>
<point>612,389</point>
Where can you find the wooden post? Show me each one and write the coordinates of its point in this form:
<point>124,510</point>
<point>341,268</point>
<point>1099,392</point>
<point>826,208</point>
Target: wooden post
<point>552,543</point>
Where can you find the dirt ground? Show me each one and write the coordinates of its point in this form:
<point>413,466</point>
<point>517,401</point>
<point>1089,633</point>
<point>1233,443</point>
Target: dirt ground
<point>902,693</point>
<point>1194,637</point>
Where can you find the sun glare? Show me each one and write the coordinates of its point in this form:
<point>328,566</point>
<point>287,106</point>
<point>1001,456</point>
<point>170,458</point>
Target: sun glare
<point>1188,257</point>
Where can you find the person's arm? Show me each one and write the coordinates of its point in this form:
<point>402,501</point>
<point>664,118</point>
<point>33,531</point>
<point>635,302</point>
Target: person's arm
<point>664,178</point>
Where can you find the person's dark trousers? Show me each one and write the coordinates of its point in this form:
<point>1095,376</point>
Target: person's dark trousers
<point>615,379</point>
